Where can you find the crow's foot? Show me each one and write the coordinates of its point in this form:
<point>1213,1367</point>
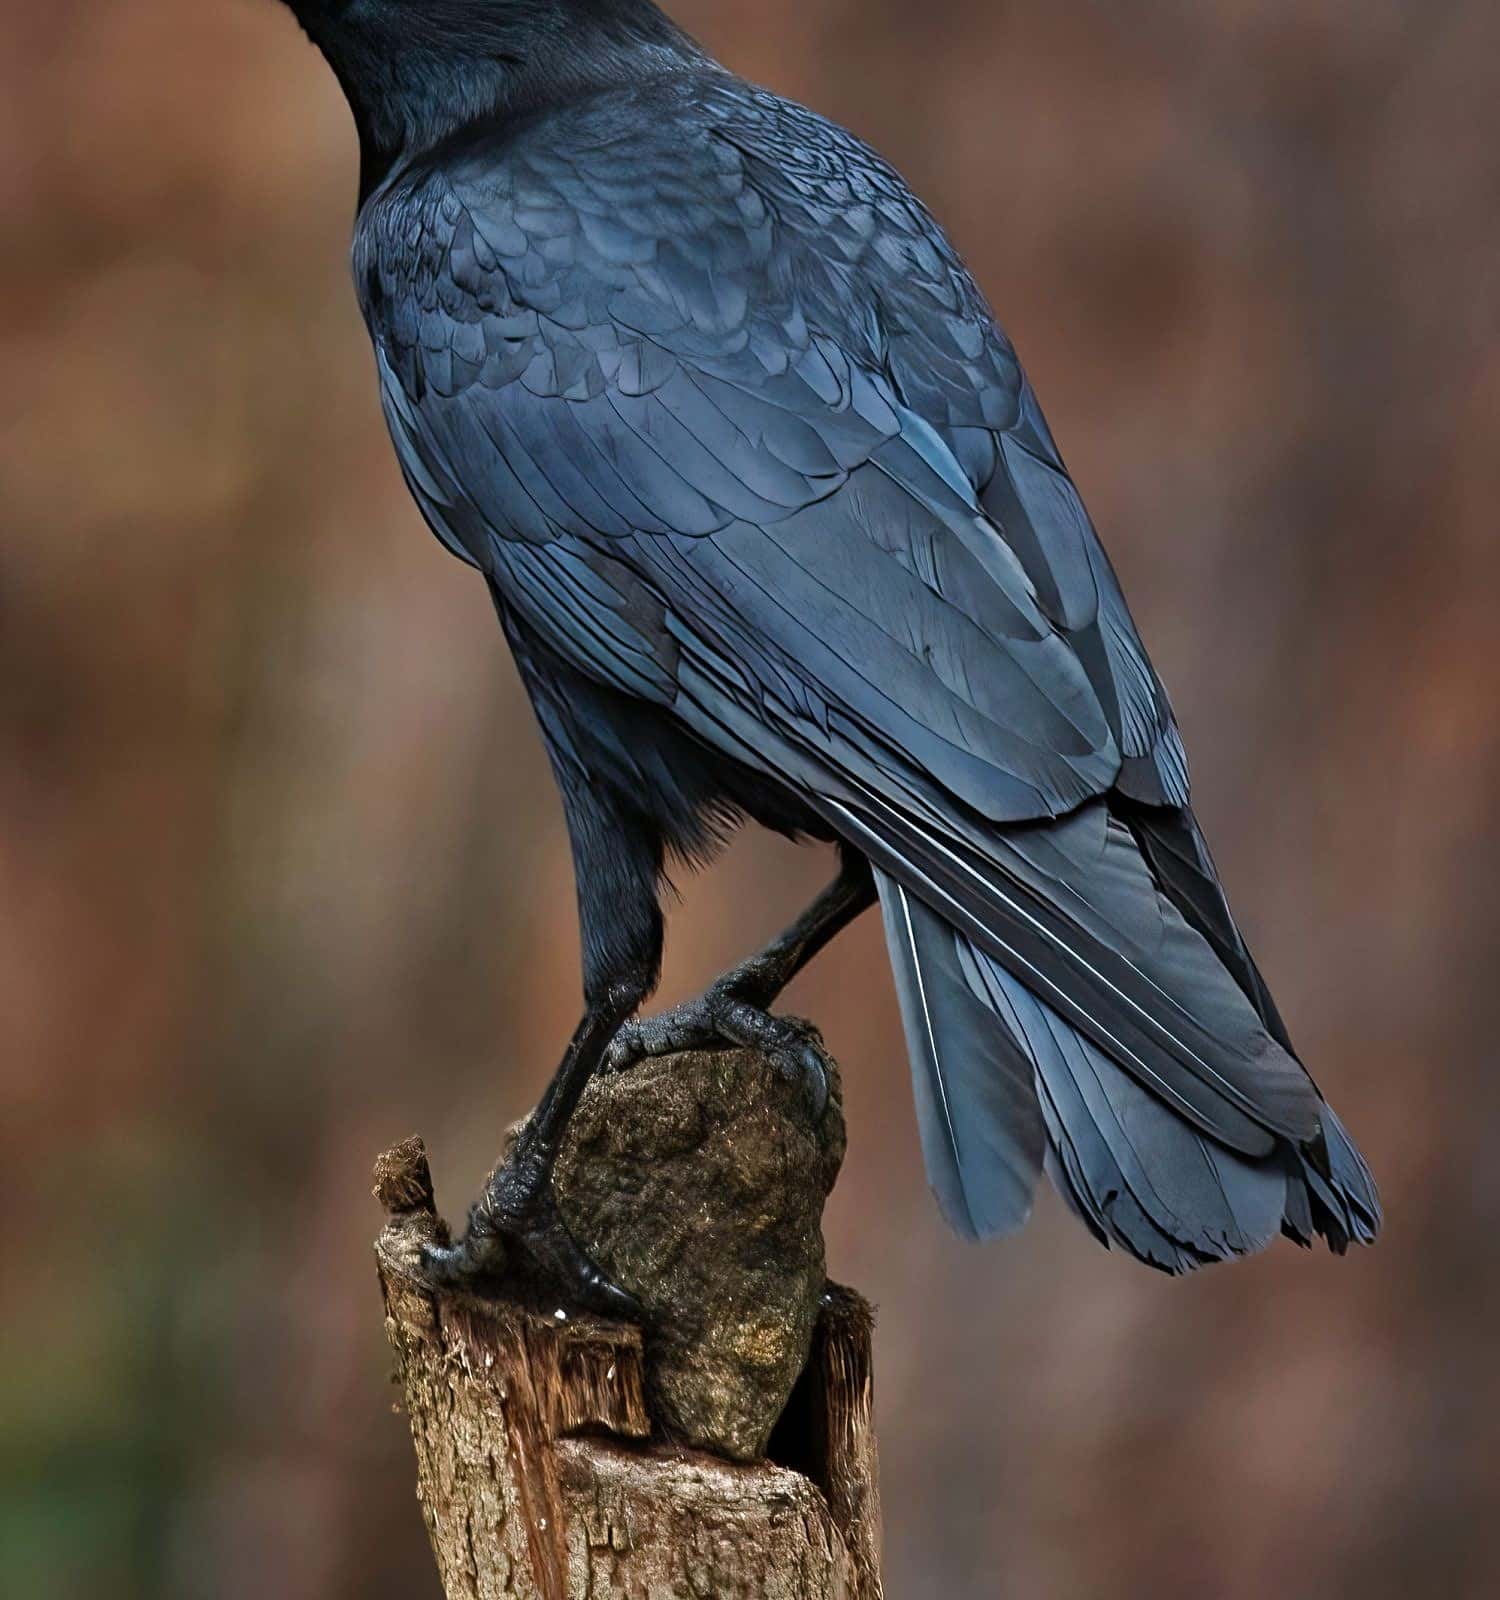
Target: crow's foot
<point>518,1213</point>
<point>723,1016</point>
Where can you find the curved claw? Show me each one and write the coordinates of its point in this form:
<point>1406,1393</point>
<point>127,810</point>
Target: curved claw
<point>626,1050</point>
<point>557,1253</point>
<point>691,1026</point>
<point>456,1266</point>
<point>542,1236</point>
<point>804,1064</point>
<point>793,1048</point>
<point>719,1017</point>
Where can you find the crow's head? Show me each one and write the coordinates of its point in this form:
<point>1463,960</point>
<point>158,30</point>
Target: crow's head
<point>416,70</point>
<point>478,29</point>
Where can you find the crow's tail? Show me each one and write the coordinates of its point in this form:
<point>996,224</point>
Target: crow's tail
<point>1005,1086</point>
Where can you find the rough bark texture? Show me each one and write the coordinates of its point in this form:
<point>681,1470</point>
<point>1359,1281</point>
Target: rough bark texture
<point>552,1453</point>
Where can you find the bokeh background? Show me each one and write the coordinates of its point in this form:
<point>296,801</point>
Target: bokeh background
<point>283,877</point>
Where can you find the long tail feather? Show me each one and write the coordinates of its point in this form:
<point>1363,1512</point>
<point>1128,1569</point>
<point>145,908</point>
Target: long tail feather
<point>977,1111</point>
<point>1006,1084</point>
<point>1140,1175</point>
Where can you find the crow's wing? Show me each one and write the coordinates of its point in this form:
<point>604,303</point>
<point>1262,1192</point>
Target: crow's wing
<point>694,437</point>
<point>939,343</point>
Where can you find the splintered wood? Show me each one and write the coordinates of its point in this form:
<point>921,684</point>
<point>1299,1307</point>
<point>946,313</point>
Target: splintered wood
<point>540,1475</point>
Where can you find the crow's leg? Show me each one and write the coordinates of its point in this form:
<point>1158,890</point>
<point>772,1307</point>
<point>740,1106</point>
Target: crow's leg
<point>735,1009</point>
<point>618,858</point>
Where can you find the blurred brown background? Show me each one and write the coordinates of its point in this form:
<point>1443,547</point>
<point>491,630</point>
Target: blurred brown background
<point>284,879</point>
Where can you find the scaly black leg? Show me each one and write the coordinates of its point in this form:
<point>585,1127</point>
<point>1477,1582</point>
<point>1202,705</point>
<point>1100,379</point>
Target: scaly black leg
<point>518,1208</point>
<point>617,859</point>
<point>735,1009</point>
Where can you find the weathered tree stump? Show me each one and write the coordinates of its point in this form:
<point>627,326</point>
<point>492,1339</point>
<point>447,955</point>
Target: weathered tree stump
<point>728,1451</point>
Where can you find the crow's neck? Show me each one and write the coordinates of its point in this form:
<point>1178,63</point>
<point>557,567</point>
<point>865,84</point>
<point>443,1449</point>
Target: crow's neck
<point>411,97</point>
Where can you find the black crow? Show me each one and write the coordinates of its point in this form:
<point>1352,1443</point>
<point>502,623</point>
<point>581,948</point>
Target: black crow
<point>776,530</point>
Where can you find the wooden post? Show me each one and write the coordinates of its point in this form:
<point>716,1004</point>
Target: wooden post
<point>559,1456</point>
